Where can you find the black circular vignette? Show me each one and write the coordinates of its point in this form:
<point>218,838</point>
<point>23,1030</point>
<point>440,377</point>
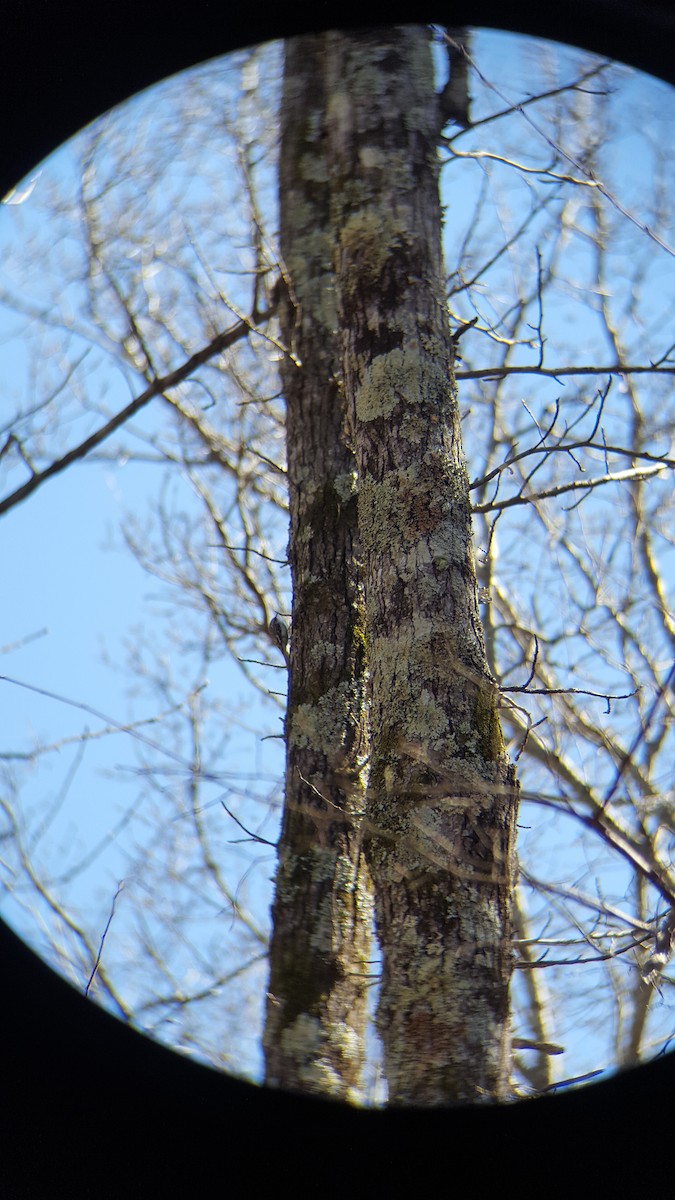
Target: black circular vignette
<point>90,1108</point>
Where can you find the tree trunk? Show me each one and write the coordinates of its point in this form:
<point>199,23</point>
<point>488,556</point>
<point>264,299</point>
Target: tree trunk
<point>322,912</point>
<point>442,796</point>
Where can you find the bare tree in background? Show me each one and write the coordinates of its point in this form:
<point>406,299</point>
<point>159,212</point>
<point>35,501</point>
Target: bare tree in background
<point>564,380</point>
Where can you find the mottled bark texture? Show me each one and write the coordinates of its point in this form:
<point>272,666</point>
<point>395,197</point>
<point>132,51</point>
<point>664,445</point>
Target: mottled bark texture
<point>322,911</point>
<point>442,797</point>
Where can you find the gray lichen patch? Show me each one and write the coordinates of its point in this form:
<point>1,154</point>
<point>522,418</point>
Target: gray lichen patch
<point>345,486</point>
<point>368,241</point>
<point>321,725</point>
<point>403,377</point>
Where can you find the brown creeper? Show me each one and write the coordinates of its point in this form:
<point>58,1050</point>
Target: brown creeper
<point>279,635</point>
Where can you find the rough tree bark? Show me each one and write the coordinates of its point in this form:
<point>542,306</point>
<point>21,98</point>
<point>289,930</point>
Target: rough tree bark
<point>361,243</point>
<point>322,912</point>
<point>442,796</point>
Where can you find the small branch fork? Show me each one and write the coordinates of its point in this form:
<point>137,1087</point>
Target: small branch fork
<point>544,448</point>
<point>548,691</point>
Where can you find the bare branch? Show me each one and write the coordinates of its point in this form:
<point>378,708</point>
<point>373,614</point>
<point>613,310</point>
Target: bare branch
<point>561,372</point>
<point>222,342</point>
<point>575,486</point>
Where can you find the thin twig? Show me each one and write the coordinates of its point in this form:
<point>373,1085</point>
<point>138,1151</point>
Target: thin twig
<point>120,888</point>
